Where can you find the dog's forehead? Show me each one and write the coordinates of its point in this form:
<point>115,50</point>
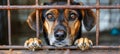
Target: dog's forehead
<point>61,3</point>
<point>58,3</point>
<point>55,11</point>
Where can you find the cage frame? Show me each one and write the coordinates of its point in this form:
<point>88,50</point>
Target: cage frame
<point>9,7</point>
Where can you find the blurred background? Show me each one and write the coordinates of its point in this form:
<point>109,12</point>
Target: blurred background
<point>109,22</point>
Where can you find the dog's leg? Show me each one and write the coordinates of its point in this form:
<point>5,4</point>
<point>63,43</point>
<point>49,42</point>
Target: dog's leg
<point>89,22</point>
<point>83,43</point>
<point>32,43</point>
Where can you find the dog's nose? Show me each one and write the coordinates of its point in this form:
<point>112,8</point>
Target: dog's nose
<point>60,35</point>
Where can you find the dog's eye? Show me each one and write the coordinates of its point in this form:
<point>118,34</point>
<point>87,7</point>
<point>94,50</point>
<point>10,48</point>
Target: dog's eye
<point>72,16</point>
<point>50,17</point>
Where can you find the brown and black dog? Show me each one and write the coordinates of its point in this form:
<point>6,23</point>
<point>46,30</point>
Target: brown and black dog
<point>62,27</point>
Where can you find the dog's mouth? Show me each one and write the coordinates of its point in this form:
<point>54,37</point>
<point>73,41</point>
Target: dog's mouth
<point>60,44</point>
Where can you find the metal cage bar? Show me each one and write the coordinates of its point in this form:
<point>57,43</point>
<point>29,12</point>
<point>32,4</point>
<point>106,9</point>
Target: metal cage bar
<point>59,6</point>
<point>52,47</point>
<point>37,20</point>
<point>9,24</point>
<point>68,2</point>
<point>97,22</point>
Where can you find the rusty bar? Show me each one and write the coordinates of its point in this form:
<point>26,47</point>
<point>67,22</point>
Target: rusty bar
<point>68,2</point>
<point>37,20</point>
<point>52,47</point>
<point>59,6</point>
<point>9,28</point>
<point>68,50</point>
<point>97,22</point>
<point>9,23</point>
<point>36,2</point>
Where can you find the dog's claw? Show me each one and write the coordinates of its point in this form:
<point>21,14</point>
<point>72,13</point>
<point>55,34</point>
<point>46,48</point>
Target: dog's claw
<point>32,43</point>
<point>83,43</point>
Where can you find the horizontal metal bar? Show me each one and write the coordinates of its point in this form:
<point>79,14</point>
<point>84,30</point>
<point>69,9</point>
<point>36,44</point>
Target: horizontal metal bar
<point>59,6</point>
<point>52,47</point>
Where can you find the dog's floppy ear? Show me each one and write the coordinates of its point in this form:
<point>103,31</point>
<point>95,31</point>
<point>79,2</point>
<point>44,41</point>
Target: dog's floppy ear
<point>32,21</point>
<point>89,19</point>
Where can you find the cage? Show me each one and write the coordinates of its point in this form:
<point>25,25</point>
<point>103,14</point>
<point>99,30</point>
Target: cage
<point>14,30</point>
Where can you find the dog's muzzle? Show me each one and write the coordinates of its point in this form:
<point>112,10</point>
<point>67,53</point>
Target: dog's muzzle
<point>60,35</point>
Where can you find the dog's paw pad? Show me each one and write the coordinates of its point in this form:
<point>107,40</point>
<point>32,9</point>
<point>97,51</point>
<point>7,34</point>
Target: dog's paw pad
<point>83,43</point>
<point>33,43</point>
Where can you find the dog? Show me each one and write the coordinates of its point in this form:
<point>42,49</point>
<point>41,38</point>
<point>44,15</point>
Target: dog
<point>62,27</point>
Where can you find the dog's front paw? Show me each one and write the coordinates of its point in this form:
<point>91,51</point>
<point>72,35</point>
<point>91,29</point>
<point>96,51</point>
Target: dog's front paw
<point>32,43</point>
<point>83,43</point>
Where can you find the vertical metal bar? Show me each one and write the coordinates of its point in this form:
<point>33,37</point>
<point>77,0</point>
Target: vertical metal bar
<point>36,2</point>
<point>9,26</point>
<point>97,22</point>
<point>68,2</point>
<point>37,20</point>
<point>9,23</point>
<point>68,50</point>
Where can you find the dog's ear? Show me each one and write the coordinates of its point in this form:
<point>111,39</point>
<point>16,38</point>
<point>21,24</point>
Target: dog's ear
<point>31,20</point>
<point>89,19</point>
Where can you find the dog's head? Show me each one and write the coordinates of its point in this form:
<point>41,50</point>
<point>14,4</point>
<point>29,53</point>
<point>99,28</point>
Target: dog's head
<point>63,25</point>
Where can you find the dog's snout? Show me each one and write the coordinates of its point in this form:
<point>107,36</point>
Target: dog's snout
<point>60,35</point>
